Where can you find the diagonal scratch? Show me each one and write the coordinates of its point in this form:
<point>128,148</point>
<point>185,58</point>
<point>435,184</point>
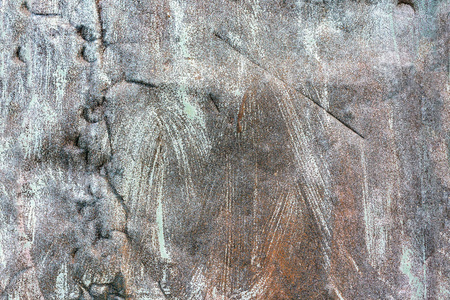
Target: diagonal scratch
<point>213,101</point>
<point>227,41</point>
<point>142,82</point>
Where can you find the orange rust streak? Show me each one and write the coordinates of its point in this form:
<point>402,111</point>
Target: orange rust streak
<point>241,113</point>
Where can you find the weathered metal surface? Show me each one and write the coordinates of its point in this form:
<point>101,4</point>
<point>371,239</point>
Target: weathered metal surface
<point>249,149</point>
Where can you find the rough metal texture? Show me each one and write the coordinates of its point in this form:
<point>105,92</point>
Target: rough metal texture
<point>247,149</point>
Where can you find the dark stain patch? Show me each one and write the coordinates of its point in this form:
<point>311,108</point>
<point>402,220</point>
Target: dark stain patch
<point>73,253</point>
<point>80,58</point>
<point>118,284</point>
<point>80,206</point>
<point>87,33</point>
<point>19,55</point>
<point>407,2</point>
<point>24,8</point>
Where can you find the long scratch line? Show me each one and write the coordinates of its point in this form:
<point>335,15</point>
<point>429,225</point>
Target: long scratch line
<point>256,63</point>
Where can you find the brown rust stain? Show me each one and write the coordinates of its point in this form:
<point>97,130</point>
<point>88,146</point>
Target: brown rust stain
<point>241,112</point>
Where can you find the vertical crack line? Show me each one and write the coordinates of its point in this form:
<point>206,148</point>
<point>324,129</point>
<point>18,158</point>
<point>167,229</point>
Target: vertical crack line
<point>107,177</point>
<point>256,63</point>
<point>118,196</point>
<point>241,113</point>
<point>108,131</point>
<point>98,5</point>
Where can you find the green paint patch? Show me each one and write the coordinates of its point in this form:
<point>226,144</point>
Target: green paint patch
<point>407,267</point>
<point>190,110</point>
